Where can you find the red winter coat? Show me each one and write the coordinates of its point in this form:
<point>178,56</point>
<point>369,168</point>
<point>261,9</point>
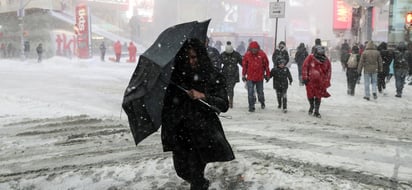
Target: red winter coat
<point>318,75</point>
<point>132,49</point>
<point>117,47</point>
<point>255,66</point>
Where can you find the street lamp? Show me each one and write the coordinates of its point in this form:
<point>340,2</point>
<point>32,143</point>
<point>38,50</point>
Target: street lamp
<point>20,15</point>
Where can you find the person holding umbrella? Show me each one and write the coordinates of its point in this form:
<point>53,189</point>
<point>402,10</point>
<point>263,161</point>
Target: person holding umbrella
<point>190,129</point>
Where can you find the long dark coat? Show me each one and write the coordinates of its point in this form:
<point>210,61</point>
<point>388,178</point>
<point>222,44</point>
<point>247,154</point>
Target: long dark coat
<point>230,66</point>
<point>188,123</point>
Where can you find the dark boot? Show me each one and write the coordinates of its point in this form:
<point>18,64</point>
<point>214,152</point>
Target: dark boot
<point>201,185</point>
<point>312,105</point>
<point>230,102</point>
<point>317,105</point>
<point>279,102</point>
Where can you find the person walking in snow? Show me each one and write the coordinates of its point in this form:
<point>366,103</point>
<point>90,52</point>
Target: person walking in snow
<point>39,50</point>
<point>281,81</point>
<point>191,130</point>
<point>300,56</point>
<point>316,75</point>
<point>231,60</point>
<point>117,50</point>
<point>102,48</point>
<point>255,68</point>
<point>132,52</point>
<point>214,56</point>
<point>371,63</point>
<point>279,54</point>
<point>351,66</point>
<point>400,68</point>
<point>387,57</point>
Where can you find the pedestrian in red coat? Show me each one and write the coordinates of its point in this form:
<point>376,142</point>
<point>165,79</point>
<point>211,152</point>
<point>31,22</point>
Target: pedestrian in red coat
<point>255,68</point>
<point>117,50</point>
<point>132,52</point>
<point>316,75</point>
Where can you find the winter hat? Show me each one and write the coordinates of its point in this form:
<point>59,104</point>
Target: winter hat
<point>254,45</point>
<point>281,61</point>
<point>229,49</point>
<point>282,43</point>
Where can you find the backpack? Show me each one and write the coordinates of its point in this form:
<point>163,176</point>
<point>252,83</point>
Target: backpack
<point>352,61</point>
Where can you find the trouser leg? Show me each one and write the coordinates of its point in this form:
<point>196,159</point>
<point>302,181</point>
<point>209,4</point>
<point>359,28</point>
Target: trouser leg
<point>188,166</point>
<point>311,105</point>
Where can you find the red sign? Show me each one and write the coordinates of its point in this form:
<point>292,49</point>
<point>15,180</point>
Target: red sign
<point>342,15</point>
<point>83,31</point>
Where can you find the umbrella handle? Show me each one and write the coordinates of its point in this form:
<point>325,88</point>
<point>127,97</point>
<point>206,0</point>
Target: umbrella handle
<point>215,109</point>
<point>210,106</point>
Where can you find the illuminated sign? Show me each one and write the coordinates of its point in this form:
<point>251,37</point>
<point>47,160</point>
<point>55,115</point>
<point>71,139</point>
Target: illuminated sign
<point>342,15</point>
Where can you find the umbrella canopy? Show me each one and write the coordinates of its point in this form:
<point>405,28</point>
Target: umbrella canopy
<point>143,98</point>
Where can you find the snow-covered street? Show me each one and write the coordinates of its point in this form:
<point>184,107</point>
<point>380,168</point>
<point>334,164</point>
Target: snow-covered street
<point>61,127</point>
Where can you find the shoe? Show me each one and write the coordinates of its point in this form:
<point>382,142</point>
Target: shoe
<point>251,109</point>
<point>200,186</point>
<point>278,106</point>
<point>285,110</point>
<point>317,114</point>
<point>366,98</point>
<point>262,106</point>
<point>375,96</point>
<point>398,96</point>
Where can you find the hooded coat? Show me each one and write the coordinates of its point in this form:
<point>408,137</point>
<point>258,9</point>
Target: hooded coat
<point>255,66</point>
<point>189,124</point>
<point>371,60</point>
<point>318,75</point>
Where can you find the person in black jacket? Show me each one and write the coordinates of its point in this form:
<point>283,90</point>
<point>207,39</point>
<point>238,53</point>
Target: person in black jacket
<point>214,56</point>
<point>279,54</point>
<point>39,51</point>
<point>300,56</point>
<point>387,57</point>
<point>231,60</point>
<point>191,129</point>
<point>281,80</point>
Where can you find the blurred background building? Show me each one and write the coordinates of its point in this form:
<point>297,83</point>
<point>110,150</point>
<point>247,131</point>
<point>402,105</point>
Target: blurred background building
<point>52,21</point>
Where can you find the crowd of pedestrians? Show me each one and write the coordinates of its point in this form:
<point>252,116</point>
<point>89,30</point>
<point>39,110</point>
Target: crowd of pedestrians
<point>375,64</point>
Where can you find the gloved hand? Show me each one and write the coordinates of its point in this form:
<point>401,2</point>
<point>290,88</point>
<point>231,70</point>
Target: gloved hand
<point>267,78</point>
<point>290,83</point>
<point>305,82</point>
<point>244,78</point>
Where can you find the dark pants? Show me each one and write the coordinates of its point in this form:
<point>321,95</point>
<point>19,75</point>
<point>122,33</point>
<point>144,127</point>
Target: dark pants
<point>189,166</point>
<point>118,57</point>
<point>102,55</point>
<point>281,96</point>
<point>351,79</point>
<point>381,81</point>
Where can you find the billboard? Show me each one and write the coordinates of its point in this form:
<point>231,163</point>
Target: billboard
<point>83,31</point>
<point>342,15</point>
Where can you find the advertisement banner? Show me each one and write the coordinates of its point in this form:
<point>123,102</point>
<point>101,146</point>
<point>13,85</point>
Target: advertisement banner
<point>342,15</point>
<point>83,31</point>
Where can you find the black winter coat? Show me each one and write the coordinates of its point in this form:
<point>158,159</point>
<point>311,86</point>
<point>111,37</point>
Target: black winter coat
<point>230,66</point>
<point>188,123</point>
<point>281,77</point>
<point>301,55</point>
<point>278,55</point>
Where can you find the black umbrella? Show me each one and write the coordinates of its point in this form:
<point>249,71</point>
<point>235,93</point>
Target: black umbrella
<point>143,98</point>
